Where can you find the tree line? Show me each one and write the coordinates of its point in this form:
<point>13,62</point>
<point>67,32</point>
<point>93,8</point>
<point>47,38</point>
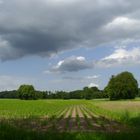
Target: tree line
<point>121,86</point>
<point>28,92</point>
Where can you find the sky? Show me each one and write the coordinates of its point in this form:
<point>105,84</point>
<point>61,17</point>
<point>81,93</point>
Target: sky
<point>67,44</point>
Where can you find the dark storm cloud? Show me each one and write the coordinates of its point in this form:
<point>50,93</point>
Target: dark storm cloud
<point>46,27</point>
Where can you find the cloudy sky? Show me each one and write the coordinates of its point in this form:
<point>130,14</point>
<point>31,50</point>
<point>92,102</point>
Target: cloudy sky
<point>67,44</point>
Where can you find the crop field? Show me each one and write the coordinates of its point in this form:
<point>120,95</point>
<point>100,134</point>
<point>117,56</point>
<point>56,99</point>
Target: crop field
<point>71,116</point>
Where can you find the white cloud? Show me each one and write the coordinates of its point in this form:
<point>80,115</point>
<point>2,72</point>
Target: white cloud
<point>71,64</point>
<point>92,77</point>
<point>82,78</point>
<point>93,85</point>
<point>124,44</point>
<point>121,57</point>
<point>124,23</point>
<point>118,54</point>
<point>81,58</point>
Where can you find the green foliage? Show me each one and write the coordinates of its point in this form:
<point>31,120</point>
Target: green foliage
<point>86,93</point>
<point>26,92</point>
<point>93,93</point>
<point>139,93</point>
<point>9,94</point>
<point>122,86</point>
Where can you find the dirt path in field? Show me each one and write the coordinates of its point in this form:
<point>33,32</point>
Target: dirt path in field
<point>74,113</point>
<point>72,126</point>
<point>79,112</point>
<point>82,122</point>
<point>61,125</point>
<point>68,113</point>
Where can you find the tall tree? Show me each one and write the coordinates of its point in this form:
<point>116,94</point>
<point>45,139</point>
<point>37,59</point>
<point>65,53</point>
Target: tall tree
<point>26,92</point>
<point>122,86</point>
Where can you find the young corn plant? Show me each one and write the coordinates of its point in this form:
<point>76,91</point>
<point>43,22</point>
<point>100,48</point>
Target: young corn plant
<point>77,119</point>
<point>88,121</point>
<point>68,119</point>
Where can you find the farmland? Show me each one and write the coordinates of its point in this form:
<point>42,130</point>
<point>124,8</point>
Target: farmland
<point>88,117</point>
